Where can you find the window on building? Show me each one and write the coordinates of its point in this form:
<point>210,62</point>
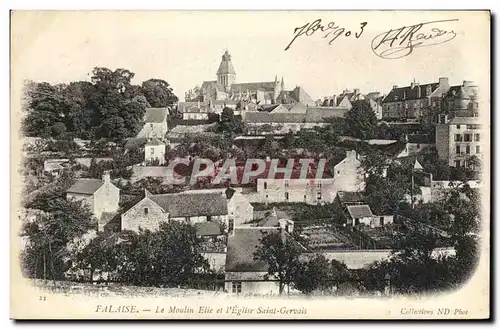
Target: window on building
<point>457,163</point>
<point>265,185</point>
<point>458,138</point>
<point>146,211</point>
<point>418,146</point>
<point>478,149</point>
<point>151,125</point>
<point>476,137</point>
<point>467,149</point>
<point>286,196</point>
<point>318,184</point>
<point>319,196</point>
<point>467,138</point>
<point>152,151</point>
<point>209,218</point>
<point>458,126</point>
<point>236,287</point>
<point>457,149</point>
<point>287,183</point>
<point>267,196</point>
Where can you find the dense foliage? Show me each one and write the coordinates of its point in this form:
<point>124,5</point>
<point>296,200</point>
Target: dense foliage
<point>109,106</point>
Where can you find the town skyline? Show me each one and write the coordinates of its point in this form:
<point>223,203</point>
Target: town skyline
<point>184,63</point>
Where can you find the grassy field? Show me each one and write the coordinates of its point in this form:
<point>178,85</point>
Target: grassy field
<point>114,290</point>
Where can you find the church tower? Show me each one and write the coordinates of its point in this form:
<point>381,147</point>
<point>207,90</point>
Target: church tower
<point>226,75</point>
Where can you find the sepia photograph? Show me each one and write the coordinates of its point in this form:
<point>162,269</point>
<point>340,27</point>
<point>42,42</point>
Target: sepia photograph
<point>250,165</point>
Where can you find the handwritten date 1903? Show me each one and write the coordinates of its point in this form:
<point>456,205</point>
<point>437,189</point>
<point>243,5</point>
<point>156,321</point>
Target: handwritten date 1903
<point>330,30</point>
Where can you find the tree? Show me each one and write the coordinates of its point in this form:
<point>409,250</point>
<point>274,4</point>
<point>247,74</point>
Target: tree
<point>158,93</point>
<point>56,222</point>
<point>167,257</point>
<point>319,274</point>
<point>193,95</point>
<point>361,121</point>
<point>281,254</point>
<point>118,114</point>
<point>96,256</point>
<point>43,109</point>
<point>229,123</point>
<point>414,268</point>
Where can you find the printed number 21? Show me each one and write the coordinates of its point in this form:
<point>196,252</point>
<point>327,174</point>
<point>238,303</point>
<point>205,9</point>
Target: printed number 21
<point>42,298</point>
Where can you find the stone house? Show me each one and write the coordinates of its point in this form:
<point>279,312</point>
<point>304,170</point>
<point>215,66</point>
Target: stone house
<point>415,101</point>
<point>459,139</point>
<point>311,191</point>
<point>362,215</point>
<point>154,151</point>
<point>240,210</point>
<point>348,176</point>
<point>196,112</point>
<point>461,100</point>
<point>155,123</point>
<point>99,194</point>
<point>192,208</point>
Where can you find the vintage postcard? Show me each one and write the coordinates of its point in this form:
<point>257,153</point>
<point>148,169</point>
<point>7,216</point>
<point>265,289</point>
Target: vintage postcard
<point>250,165</point>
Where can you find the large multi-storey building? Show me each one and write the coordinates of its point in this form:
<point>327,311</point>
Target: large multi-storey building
<point>458,140</point>
<point>415,101</point>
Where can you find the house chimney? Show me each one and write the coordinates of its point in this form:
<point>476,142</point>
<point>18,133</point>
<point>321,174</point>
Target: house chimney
<point>356,91</point>
<point>443,82</point>
<point>286,225</point>
<point>334,100</point>
<point>412,85</point>
<point>468,83</point>
<point>394,86</point>
<point>351,154</point>
<point>105,176</point>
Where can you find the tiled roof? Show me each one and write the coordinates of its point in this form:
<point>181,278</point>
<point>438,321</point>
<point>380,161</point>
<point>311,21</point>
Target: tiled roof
<point>419,139</point>
<point>317,114</point>
<point>85,186</point>
<point>272,220</point>
<point>373,95</point>
<point>243,244</point>
<point>154,142</point>
<point>208,228</point>
<point>313,114</point>
<point>360,211</point>
<point>192,204</point>
<point>286,96</point>
<point>409,93</point>
<point>156,114</point>
<point>302,96</point>
<point>181,107</point>
<point>465,120</point>
<point>212,84</point>
<point>241,248</point>
<point>252,86</point>
<point>226,66</point>
<point>264,117</point>
<point>269,108</point>
<point>347,197</point>
<point>135,143</point>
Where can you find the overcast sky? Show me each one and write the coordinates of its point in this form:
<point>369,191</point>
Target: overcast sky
<point>185,48</point>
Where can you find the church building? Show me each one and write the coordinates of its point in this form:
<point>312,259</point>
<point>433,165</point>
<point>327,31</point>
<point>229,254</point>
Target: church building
<point>225,87</point>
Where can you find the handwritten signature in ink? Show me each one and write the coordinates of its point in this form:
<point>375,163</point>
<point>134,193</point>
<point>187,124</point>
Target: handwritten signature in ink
<point>398,43</point>
<point>330,30</point>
